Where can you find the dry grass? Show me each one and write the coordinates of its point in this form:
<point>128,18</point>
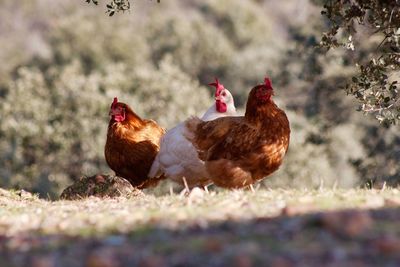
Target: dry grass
<point>226,228</point>
<point>21,213</point>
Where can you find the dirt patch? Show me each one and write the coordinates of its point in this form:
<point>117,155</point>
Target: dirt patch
<point>102,186</point>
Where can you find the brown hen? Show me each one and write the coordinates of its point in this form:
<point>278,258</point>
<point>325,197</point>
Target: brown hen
<point>132,144</point>
<point>238,151</point>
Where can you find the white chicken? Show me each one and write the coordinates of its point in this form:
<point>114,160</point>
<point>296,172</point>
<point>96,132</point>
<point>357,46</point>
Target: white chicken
<point>178,159</point>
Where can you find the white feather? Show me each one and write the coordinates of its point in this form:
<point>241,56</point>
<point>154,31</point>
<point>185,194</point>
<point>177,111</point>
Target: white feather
<point>178,158</point>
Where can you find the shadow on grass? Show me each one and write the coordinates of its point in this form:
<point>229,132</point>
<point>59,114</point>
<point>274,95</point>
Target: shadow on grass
<point>341,238</point>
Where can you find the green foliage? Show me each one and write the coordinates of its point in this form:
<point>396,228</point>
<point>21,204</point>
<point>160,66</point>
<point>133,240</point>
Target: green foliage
<point>381,164</point>
<point>248,29</point>
<point>96,2</point>
<point>115,6</point>
<point>314,81</point>
<point>116,43</point>
<point>182,37</point>
<point>316,159</point>
<point>243,21</point>
<point>375,85</point>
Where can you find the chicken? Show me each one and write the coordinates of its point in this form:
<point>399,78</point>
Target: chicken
<point>238,151</point>
<point>177,157</point>
<point>132,144</point>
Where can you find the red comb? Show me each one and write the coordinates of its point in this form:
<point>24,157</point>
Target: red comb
<point>115,101</point>
<point>268,83</point>
<point>218,86</point>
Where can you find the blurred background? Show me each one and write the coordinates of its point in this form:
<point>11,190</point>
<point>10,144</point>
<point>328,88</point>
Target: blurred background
<point>62,62</point>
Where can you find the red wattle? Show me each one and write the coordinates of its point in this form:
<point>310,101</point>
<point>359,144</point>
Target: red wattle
<point>220,106</point>
<point>119,117</point>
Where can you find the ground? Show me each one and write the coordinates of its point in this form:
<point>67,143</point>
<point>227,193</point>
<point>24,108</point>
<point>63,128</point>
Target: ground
<point>225,228</point>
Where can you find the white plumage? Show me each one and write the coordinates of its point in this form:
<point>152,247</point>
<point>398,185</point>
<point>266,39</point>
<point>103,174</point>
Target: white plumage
<point>178,158</point>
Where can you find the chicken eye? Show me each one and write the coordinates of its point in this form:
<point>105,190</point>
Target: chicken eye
<point>223,94</point>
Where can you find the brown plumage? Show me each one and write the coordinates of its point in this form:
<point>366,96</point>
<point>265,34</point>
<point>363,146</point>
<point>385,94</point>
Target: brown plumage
<point>238,151</point>
<point>132,144</point>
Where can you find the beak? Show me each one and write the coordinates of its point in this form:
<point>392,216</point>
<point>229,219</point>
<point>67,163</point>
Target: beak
<point>218,98</point>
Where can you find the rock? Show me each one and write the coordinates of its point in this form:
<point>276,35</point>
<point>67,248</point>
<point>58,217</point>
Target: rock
<point>101,186</point>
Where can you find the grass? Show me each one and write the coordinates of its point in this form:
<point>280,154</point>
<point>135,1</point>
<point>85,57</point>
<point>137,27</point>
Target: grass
<point>218,226</point>
<point>101,216</point>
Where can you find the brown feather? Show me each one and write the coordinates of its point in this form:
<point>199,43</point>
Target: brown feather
<point>241,150</point>
<point>131,147</point>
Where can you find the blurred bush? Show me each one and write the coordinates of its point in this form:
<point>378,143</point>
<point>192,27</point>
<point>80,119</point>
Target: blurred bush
<point>319,160</point>
<point>209,49</point>
<point>54,97</point>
